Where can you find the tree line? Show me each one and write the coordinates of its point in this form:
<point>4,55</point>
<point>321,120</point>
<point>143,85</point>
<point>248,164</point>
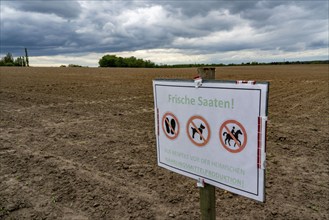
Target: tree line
<point>114,61</point>
<point>9,60</point>
<point>243,64</point>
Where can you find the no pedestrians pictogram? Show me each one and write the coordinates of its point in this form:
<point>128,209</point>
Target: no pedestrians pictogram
<point>233,136</point>
<point>170,125</point>
<point>198,130</point>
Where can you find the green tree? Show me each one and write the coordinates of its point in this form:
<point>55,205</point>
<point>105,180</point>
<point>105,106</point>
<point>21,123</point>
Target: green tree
<point>131,61</point>
<point>20,61</point>
<point>120,62</point>
<point>108,61</point>
<point>8,60</point>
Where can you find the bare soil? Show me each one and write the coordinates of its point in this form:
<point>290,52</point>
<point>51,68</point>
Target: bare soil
<point>79,143</point>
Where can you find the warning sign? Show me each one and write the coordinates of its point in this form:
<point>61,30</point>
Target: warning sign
<point>233,136</point>
<point>223,136</point>
<point>170,125</point>
<point>198,130</point>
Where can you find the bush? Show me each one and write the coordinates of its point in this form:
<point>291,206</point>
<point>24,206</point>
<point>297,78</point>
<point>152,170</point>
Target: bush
<point>74,65</point>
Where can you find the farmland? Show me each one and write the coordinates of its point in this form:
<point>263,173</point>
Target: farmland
<point>79,143</point>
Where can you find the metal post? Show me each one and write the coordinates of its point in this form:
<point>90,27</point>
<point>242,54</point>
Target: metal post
<point>207,193</point>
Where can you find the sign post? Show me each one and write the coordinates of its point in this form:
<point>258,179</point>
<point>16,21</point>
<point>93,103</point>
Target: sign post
<point>213,131</point>
<point>207,192</point>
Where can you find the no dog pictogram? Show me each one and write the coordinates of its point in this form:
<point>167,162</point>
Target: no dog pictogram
<point>198,130</point>
<point>233,136</point>
<point>170,125</point>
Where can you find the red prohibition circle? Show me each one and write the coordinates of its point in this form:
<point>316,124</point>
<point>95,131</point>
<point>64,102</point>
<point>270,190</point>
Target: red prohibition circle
<point>190,121</point>
<point>163,128</point>
<point>223,126</point>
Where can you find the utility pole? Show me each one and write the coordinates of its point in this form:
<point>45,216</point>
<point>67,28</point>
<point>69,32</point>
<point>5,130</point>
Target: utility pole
<point>26,57</point>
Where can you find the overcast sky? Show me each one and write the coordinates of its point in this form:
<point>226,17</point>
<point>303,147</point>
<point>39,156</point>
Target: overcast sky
<point>224,31</point>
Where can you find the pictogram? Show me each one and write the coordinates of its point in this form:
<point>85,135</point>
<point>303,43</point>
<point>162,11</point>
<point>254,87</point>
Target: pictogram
<point>170,125</point>
<point>233,136</point>
<point>198,130</point>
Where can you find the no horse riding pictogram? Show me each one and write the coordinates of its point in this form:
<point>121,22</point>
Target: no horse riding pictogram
<point>170,125</point>
<point>198,130</point>
<point>233,136</point>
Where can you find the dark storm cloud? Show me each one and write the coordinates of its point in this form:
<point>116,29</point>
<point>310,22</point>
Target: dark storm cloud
<point>58,27</point>
<point>44,27</point>
<point>40,33</point>
<point>65,9</point>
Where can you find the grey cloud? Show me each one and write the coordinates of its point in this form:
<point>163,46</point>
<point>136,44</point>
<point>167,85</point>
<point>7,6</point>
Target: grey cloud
<point>65,9</point>
<point>105,26</point>
<point>318,44</point>
<point>274,14</point>
<point>192,8</point>
<point>41,34</point>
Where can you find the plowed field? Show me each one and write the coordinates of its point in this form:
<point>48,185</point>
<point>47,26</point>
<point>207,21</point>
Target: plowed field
<point>79,143</point>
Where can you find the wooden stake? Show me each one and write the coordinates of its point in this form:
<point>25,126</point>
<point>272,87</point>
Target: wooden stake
<point>207,193</point>
<point>208,202</point>
<point>207,72</point>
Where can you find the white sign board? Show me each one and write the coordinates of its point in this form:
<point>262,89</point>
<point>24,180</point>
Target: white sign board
<point>215,133</point>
